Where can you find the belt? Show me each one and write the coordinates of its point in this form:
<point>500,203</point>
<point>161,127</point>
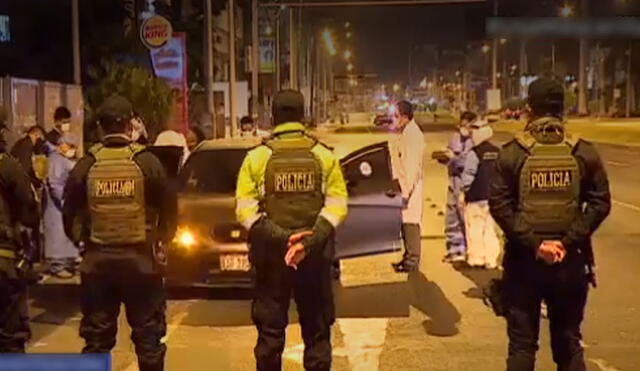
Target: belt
<point>9,254</point>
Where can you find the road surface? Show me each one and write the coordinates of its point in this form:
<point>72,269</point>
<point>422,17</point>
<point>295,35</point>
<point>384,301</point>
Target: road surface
<point>434,320</point>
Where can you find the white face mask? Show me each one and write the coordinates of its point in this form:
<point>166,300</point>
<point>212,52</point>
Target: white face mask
<point>464,131</point>
<point>70,153</point>
<point>65,127</point>
<point>135,135</point>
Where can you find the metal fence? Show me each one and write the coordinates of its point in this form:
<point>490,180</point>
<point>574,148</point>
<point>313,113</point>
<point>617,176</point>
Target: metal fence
<point>32,102</point>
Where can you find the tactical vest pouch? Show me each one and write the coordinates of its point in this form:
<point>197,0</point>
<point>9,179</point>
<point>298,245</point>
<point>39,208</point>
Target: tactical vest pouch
<point>116,198</point>
<point>293,183</point>
<point>550,188</point>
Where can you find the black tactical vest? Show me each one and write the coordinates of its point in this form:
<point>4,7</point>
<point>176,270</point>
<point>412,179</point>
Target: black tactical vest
<point>115,191</point>
<point>549,184</point>
<point>293,182</point>
<point>487,154</point>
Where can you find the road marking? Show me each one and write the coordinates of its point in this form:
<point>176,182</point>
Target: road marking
<point>627,205</point>
<point>616,163</point>
<point>603,365</point>
<point>363,343</point>
<point>176,320</point>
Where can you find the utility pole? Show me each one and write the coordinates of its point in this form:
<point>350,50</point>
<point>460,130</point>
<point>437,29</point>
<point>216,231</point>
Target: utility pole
<point>494,61</point>
<point>208,64</point>
<point>582,73</point>
<point>523,67</point>
<point>233,101</point>
<point>629,88</point>
<point>255,58</point>
<point>553,57</point>
<point>293,51</point>
<point>75,16</point>
<point>325,94</point>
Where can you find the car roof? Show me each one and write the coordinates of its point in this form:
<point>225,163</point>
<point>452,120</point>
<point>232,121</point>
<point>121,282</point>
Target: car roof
<point>228,143</point>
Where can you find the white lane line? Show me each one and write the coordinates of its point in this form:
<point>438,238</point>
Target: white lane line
<point>627,205</point>
<point>176,320</point>
<point>602,364</point>
<point>363,343</point>
<point>616,163</point>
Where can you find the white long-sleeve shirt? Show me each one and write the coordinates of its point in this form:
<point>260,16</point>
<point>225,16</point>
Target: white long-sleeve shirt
<point>410,172</point>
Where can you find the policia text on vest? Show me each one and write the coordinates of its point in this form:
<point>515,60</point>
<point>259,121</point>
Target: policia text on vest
<point>550,180</point>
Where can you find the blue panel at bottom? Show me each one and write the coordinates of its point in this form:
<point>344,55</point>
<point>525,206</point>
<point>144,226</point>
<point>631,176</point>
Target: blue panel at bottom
<point>55,362</point>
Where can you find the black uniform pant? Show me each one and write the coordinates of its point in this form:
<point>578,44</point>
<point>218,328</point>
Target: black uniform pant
<point>14,320</point>
<point>412,245</point>
<point>144,300</point>
<point>564,289</point>
<point>311,288</point>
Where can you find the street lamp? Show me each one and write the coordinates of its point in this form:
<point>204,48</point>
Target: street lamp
<point>347,24</point>
<point>349,34</point>
<point>567,11</point>
<point>268,31</point>
<point>347,54</point>
<point>423,83</point>
<point>485,48</point>
<point>350,67</point>
<point>396,88</point>
<point>328,41</point>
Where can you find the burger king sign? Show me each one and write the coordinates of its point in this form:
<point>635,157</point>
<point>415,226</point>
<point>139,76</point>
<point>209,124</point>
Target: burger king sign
<point>155,32</point>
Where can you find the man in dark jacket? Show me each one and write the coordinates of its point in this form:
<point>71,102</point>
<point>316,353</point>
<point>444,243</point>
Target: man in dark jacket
<point>24,149</point>
<point>18,208</point>
<point>118,204</point>
<point>549,194</point>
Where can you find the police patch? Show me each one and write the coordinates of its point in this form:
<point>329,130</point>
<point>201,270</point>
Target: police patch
<point>550,180</point>
<point>118,188</point>
<point>295,181</point>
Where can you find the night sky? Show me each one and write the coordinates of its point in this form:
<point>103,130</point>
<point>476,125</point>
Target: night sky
<point>382,35</point>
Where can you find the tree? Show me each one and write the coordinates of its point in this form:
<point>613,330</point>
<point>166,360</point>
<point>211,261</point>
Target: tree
<point>150,96</point>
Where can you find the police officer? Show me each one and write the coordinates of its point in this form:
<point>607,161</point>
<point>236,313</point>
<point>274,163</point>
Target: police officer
<point>117,203</point>
<point>18,208</point>
<point>291,195</point>
<point>549,194</point>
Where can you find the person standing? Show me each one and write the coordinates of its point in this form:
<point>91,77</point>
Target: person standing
<point>173,138</point>
<point>118,204</point>
<point>18,210</point>
<point>410,174</point>
<point>61,125</point>
<point>459,146</point>
<point>28,146</point>
<point>291,226</point>
<point>483,244</point>
<point>549,194</point>
<point>60,252</point>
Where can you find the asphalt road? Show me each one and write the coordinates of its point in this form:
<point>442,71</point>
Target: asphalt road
<point>429,321</point>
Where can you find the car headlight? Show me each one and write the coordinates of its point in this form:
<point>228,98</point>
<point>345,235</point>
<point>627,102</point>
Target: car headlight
<point>185,238</point>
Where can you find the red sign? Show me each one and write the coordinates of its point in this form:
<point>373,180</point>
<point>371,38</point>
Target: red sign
<point>170,64</point>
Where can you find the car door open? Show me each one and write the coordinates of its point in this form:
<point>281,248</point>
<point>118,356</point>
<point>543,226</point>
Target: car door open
<point>374,221</point>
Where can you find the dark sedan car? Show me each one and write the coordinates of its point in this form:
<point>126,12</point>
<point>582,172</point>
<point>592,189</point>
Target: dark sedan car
<point>210,247</point>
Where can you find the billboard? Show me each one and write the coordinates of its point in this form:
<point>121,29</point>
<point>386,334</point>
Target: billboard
<point>170,63</point>
<point>5,34</point>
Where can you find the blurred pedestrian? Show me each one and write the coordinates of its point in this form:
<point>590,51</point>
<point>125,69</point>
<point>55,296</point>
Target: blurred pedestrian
<point>247,127</point>
<point>195,136</point>
<point>483,244</point>
<point>549,194</point>
<point>24,149</point>
<point>139,133</point>
<point>410,174</point>
<point>172,137</point>
<point>60,252</point>
<point>459,146</point>
<point>61,125</point>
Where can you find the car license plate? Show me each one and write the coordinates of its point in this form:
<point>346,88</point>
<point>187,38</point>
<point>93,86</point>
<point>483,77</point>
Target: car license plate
<point>234,262</point>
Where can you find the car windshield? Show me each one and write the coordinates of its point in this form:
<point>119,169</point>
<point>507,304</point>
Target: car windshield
<point>212,171</point>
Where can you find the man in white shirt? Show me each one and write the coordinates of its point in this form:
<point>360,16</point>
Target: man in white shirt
<point>410,175</point>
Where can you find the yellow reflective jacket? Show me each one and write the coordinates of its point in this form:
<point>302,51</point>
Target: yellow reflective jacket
<point>251,180</point>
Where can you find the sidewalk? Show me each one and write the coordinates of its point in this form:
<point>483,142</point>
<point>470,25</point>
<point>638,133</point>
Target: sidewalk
<point>609,131</point>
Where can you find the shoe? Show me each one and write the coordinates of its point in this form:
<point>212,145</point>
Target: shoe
<point>454,258</point>
<point>401,267</point>
<point>63,274</point>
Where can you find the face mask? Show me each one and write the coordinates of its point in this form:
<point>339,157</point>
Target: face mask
<point>464,132</point>
<point>70,153</point>
<point>135,135</point>
<point>65,128</point>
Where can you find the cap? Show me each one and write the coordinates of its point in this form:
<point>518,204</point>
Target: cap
<point>290,101</point>
<point>115,106</point>
<point>69,139</point>
<point>546,92</point>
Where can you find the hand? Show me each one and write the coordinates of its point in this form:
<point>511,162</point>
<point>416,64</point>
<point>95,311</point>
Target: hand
<point>297,237</point>
<point>551,252</point>
<point>295,255</point>
<point>461,199</point>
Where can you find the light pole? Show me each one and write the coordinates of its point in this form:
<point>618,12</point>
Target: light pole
<point>75,16</point>
<point>255,69</point>
<point>628,87</point>
<point>293,52</point>
<point>233,102</point>
<point>582,75</point>
<point>208,64</point>
<point>494,59</point>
